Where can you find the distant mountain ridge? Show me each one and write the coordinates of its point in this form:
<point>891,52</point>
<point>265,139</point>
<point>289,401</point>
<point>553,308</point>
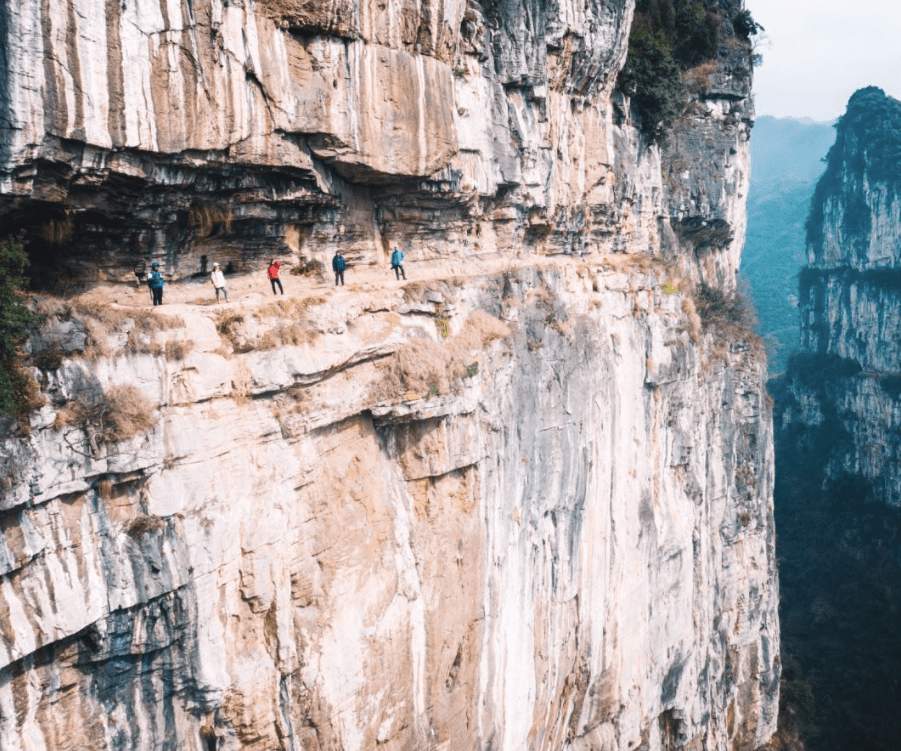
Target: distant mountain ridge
<point>786,162</point>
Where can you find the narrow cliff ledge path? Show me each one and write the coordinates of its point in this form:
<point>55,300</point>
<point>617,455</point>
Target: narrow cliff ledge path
<point>521,501</point>
<point>249,290</point>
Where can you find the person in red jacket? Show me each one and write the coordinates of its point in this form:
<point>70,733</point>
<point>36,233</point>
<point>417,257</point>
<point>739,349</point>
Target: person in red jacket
<point>274,266</point>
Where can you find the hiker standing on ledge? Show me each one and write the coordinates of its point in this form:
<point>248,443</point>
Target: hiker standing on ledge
<point>274,266</point>
<point>156,283</point>
<point>397,263</point>
<point>338,266</point>
<point>218,280</point>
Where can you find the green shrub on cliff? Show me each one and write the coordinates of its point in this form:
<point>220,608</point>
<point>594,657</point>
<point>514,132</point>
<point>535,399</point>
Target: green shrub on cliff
<point>696,33</point>
<point>690,27</point>
<point>667,37</point>
<point>730,313</point>
<point>653,81</point>
<point>16,388</point>
<point>744,24</point>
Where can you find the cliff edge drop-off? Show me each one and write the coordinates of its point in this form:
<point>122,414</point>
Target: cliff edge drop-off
<point>520,501</point>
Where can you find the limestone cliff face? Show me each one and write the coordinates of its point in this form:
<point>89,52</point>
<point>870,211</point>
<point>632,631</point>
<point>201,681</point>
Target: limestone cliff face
<point>846,382</point>
<point>455,127</point>
<point>522,502</point>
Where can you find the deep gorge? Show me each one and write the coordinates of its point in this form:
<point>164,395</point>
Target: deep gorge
<point>836,416</point>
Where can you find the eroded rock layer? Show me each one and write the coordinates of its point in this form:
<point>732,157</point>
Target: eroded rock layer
<point>173,130</point>
<point>522,502</point>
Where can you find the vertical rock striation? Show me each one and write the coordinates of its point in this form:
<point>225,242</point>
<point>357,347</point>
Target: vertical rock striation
<point>456,128</point>
<point>524,502</point>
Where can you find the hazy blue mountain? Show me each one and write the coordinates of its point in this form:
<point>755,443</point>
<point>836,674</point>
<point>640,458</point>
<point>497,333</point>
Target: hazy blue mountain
<point>786,162</point>
<point>789,146</point>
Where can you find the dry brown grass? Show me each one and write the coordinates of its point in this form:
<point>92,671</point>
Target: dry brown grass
<point>731,316</point>
<point>100,322</point>
<point>228,324</point>
<point>545,301</point>
<point>295,308</point>
<point>205,301</point>
<point>61,419</point>
<point>480,329</point>
<point>629,262</point>
<point>103,321</point>
<point>426,367</point>
<point>286,322</point>
<point>698,79</point>
<point>27,391</point>
<point>413,291</point>
<point>58,232</point>
<point>694,326</point>
<point>118,414</point>
<point>416,368</point>
<point>308,267</point>
<point>178,349</point>
<point>416,291</point>
<point>144,524</point>
<point>241,382</point>
<point>206,217</point>
<point>142,335</point>
<point>284,334</point>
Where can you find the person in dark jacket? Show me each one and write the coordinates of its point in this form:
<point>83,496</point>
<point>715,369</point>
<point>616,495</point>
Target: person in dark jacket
<point>274,266</point>
<point>156,283</point>
<point>338,266</point>
<point>397,263</point>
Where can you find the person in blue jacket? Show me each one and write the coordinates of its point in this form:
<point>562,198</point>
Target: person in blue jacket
<point>397,263</point>
<point>338,266</point>
<point>156,283</point>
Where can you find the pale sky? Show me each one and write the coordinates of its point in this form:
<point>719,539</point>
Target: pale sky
<point>816,53</point>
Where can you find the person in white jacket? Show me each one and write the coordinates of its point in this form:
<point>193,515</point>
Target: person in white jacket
<point>218,280</point>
